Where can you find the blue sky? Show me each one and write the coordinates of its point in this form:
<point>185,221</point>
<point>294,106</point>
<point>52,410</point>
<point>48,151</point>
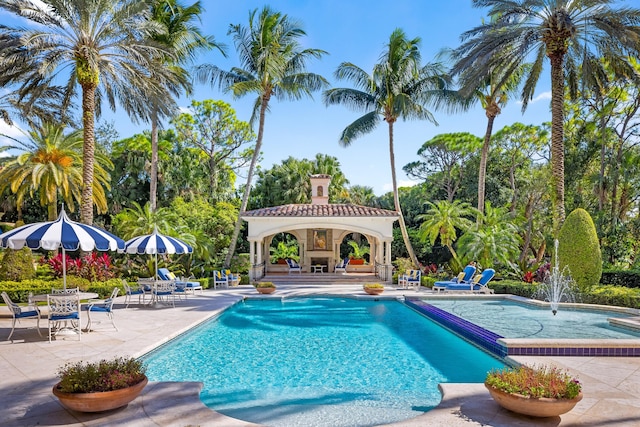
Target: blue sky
<point>354,31</point>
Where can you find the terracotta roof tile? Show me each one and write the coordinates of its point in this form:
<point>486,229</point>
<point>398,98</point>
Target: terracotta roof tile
<point>331,210</point>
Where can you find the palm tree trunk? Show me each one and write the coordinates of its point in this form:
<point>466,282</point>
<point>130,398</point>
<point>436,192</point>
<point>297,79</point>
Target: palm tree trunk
<point>88,151</point>
<point>482,172</point>
<point>52,209</point>
<point>557,139</point>
<point>153,193</point>
<point>396,199</point>
<point>247,189</point>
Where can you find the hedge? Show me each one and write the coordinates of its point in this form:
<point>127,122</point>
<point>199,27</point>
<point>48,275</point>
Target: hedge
<point>627,278</point>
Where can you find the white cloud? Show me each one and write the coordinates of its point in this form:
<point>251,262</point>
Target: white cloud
<point>12,131</point>
<point>406,183</point>
<point>543,96</point>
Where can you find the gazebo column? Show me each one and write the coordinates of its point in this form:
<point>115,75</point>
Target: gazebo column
<point>255,255</point>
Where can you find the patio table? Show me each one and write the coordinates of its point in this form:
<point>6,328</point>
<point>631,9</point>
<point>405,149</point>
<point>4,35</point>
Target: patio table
<point>318,268</point>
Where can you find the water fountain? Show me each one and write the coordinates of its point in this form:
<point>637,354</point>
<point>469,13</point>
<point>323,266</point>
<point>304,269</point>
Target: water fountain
<point>556,287</point>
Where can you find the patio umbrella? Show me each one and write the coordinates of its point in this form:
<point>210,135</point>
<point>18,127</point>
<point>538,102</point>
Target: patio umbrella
<point>156,243</point>
<point>61,233</point>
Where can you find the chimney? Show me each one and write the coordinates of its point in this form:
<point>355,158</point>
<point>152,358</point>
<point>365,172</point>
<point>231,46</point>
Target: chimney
<point>320,189</point>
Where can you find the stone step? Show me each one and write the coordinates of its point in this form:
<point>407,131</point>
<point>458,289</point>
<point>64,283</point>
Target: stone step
<point>320,279</point>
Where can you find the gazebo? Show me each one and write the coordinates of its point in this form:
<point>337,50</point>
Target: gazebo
<point>320,228</point>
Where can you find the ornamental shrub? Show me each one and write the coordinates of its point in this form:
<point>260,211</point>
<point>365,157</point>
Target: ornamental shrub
<point>579,250</point>
<point>105,375</point>
<point>17,265</point>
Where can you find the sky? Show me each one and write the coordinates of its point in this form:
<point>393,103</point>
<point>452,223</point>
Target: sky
<point>353,31</point>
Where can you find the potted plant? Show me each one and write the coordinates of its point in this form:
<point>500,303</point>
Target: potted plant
<point>265,287</point>
<point>539,391</point>
<point>100,386</point>
<point>373,288</point>
<point>282,251</point>
<point>356,256</point>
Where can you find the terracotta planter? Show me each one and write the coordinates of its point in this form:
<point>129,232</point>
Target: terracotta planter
<point>266,290</point>
<point>536,407</point>
<point>99,401</point>
<point>354,261</point>
<point>374,291</point>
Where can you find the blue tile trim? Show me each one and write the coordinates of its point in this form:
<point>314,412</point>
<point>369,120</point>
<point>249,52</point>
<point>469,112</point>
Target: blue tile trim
<point>481,337</point>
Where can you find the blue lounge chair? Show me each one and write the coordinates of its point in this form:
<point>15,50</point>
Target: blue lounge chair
<point>479,284</point>
<point>465,277</point>
<point>182,285</point>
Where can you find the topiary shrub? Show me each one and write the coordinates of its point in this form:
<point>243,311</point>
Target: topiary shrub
<point>579,250</point>
<point>17,265</point>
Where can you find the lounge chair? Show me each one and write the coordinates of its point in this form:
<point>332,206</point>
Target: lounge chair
<point>101,306</point>
<point>465,277</point>
<point>64,308</point>
<point>220,279</point>
<point>341,267</point>
<point>182,285</point>
<point>293,266</point>
<point>24,312</point>
<point>478,285</point>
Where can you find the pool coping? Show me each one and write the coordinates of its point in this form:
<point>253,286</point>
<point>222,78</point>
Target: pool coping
<point>503,347</point>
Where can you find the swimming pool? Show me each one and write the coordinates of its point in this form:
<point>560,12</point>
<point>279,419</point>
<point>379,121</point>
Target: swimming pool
<point>512,326</point>
<point>320,362</point>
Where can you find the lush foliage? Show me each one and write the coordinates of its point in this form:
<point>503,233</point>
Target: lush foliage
<point>93,266</point>
<point>543,381</point>
<point>373,285</point>
<point>579,250</point>
<point>284,250</point>
<point>358,251</point>
<point>106,375</point>
<point>17,265</point>
<point>264,285</point>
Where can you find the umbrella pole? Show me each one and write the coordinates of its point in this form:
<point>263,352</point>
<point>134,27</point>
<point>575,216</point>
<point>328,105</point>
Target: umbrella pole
<point>64,270</point>
<point>155,274</point>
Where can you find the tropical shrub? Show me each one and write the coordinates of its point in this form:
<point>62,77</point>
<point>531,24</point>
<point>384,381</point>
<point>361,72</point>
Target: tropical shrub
<point>105,375</point>
<point>93,267</point>
<point>579,250</point>
<point>17,265</point>
<point>543,381</point>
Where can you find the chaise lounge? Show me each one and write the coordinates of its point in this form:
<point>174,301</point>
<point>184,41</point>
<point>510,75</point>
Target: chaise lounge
<point>478,285</point>
<point>465,277</point>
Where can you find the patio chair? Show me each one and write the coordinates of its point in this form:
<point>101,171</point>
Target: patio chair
<point>21,312</point>
<point>293,266</point>
<point>341,267</point>
<point>163,292</point>
<point>129,292</point>
<point>182,285</point>
<point>220,279</point>
<point>101,306</point>
<point>465,277</point>
<point>64,308</point>
<point>232,279</point>
<point>413,280</point>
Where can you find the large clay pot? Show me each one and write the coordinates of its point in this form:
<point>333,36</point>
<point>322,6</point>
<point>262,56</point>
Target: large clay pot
<point>99,401</point>
<point>358,261</point>
<point>536,407</point>
<point>374,291</point>
<point>266,290</point>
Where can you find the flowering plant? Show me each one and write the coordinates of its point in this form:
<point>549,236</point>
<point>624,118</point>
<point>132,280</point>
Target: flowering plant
<point>94,266</point>
<point>373,286</point>
<point>543,381</point>
<point>264,285</point>
<point>105,375</point>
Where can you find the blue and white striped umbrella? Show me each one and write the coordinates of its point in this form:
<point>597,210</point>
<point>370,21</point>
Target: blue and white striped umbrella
<point>156,243</point>
<point>61,233</point>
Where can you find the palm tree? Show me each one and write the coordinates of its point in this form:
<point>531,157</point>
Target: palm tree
<point>100,45</point>
<point>399,87</point>
<point>185,41</point>
<point>51,164</point>
<point>273,65</point>
<point>570,33</point>
<point>442,220</point>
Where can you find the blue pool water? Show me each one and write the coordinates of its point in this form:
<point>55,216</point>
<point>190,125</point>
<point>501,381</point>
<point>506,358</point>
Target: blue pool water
<point>514,320</point>
<point>320,362</point>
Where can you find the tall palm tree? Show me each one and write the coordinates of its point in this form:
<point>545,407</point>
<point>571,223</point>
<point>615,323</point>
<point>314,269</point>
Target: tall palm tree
<point>100,45</point>
<point>185,40</point>
<point>273,65</point>
<point>51,164</point>
<point>442,220</point>
<point>399,87</point>
<point>571,33</point>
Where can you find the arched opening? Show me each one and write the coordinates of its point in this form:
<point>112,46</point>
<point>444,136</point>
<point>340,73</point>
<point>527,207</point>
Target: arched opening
<point>284,245</point>
<point>356,247</point>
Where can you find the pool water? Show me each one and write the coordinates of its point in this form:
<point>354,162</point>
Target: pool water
<point>514,320</point>
<point>320,362</point>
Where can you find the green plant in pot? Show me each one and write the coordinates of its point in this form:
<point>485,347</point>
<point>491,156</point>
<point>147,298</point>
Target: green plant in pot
<point>100,386</point>
<point>537,391</point>
<point>283,251</point>
<point>358,252</point>
<point>264,287</point>
<point>373,288</point>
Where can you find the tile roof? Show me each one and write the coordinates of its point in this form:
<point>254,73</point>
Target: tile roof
<point>330,210</point>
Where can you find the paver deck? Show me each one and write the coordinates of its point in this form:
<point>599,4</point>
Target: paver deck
<point>28,370</point>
